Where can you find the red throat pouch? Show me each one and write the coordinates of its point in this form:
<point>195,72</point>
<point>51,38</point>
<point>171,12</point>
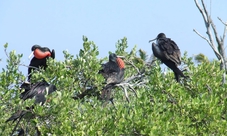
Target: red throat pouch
<point>40,55</point>
<point>120,63</point>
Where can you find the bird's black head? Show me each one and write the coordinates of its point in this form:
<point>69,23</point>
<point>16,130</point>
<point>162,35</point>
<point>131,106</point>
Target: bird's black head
<point>35,47</point>
<point>113,57</point>
<point>43,49</point>
<point>161,35</point>
<point>26,86</point>
<point>42,52</point>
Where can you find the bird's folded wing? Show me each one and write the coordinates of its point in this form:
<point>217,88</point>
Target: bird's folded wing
<point>170,50</point>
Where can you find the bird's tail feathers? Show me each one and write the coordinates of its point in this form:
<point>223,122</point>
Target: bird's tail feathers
<point>176,70</point>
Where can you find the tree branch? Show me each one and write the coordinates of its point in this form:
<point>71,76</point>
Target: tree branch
<point>215,32</point>
<point>222,21</point>
<point>213,47</point>
<point>218,50</point>
<point>129,62</point>
<point>202,36</point>
<point>203,14</point>
<point>224,33</point>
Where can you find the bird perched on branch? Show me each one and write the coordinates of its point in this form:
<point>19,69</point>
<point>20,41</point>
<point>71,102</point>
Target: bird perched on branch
<point>37,91</point>
<point>19,114</point>
<point>169,53</point>
<point>40,58</point>
<point>113,72</point>
<point>28,112</point>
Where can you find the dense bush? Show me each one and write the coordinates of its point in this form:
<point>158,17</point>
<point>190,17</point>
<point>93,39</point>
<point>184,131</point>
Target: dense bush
<point>196,106</point>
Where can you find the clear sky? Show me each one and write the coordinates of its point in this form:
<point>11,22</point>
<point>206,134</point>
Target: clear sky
<point>61,24</point>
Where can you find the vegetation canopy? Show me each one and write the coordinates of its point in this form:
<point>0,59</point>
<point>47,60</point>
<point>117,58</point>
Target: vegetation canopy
<point>147,102</point>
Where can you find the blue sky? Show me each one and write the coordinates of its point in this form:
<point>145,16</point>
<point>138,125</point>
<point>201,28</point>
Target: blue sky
<point>61,24</point>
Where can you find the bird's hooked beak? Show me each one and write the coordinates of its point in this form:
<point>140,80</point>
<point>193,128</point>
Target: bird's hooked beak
<point>30,55</point>
<point>152,40</point>
<point>121,57</point>
<point>26,82</point>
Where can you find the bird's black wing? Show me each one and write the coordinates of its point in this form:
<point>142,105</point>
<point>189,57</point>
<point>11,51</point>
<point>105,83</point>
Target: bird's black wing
<point>20,114</point>
<point>170,50</point>
<point>38,91</point>
<point>111,67</point>
<point>16,116</point>
<point>115,77</point>
<point>109,71</point>
<point>37,88</point>
<point>52,88</point>
<point>41,89</point>
<point>28,94</point>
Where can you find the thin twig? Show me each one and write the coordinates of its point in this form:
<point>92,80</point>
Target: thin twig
<point>222,21</point>
<point>202,36</point>
<point>129,62</point>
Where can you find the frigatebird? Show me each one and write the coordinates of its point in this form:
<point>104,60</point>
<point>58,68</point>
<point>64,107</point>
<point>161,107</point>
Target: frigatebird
<point>169,53</point>
<point>40,58</point>
<point>18,116</point>
<point>113,72</point>
<point>37,91</point>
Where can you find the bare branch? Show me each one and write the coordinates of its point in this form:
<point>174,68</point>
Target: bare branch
<point>129,62</point>
<point>211,45</point>
<point>225,30</point>
<point>130,87</point>
<point>124,86</point>
<point>222,21</point>
<point>202,12</point>
<point>207,20</point>
<point>223,37</point>
<point>205,10</point>
<point>215,32</point>
<point>126,93</point>
<point>133,77</point>
<point>202,36</point>
<point>218,50</point>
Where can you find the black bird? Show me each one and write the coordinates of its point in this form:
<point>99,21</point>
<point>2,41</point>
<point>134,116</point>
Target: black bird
<point>28,112</point>
<point>40,58</point>
<point>169,53</point>
<point>19,114</point>
<point>37,91</point>
<point>113,72</point>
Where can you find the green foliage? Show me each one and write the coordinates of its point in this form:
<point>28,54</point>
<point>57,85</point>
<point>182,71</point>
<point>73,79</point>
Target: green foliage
<point>196,106</point>
<point>121,46</point>
<point>201,58</point>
